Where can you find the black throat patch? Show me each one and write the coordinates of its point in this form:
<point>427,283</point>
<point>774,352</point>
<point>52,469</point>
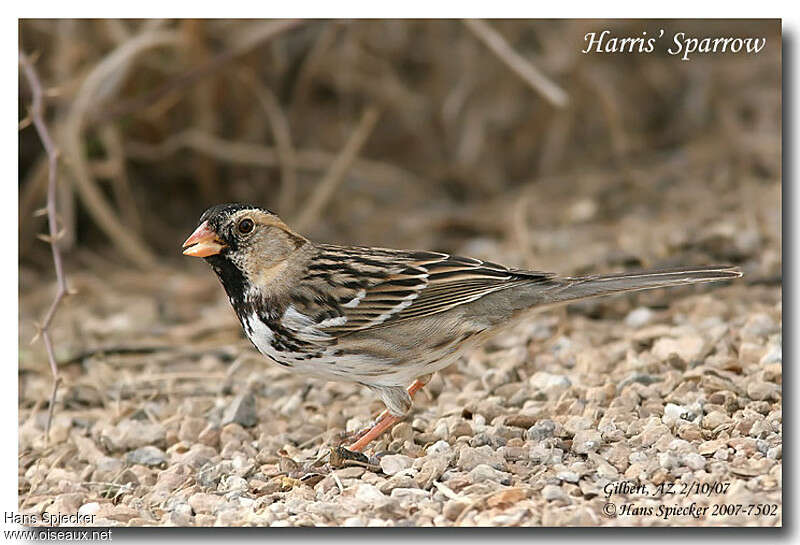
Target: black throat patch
<point>232,279</point>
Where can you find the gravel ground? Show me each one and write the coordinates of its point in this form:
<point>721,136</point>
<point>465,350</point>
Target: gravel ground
<point>168,417</point>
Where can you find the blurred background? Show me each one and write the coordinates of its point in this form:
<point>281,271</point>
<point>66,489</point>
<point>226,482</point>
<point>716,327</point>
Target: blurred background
<point>158,119</point>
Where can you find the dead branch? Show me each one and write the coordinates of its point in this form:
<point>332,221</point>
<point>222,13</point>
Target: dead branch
<point>101,84</point>
<point>250,39</point>
<point>324,42</point>
<point>327,186</point>
<point>516,62</point>
<point>123,192</point>
<point>32,191</point>
<point>307,160</point>
<point>37,115</point>
<point>283,141</point>
<point>201,101</point>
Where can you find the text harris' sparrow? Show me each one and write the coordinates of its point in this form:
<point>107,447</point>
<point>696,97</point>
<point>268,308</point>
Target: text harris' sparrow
<point>384,318</point>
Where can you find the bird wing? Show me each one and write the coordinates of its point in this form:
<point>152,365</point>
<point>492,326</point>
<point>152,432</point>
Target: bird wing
<point>351,289</point>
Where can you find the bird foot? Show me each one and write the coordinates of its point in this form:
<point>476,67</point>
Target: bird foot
<point>344,457</point>
<point>383,423</point>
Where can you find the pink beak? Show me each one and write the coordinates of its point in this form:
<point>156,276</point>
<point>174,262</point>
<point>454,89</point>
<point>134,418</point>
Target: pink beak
<point>203,242</point>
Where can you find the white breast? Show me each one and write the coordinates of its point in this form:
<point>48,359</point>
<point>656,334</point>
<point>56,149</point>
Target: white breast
<point>262,337</point>
<point>349,368</point>
<point>346,367</point>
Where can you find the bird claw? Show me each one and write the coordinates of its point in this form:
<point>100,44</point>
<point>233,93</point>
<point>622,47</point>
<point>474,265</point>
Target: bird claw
<point>343,457</point>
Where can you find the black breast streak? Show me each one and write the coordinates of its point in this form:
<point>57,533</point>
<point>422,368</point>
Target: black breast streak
<point>236,286</point>
<point>283,339</point>
<point>282,363</point>
<point>269,312</point>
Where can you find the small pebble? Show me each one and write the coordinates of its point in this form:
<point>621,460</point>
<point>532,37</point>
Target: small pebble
<point>484,472</point>
<point>440,447</point>
<point>242,410</point>
<point>694,461</point>
<point>368,493</point>
<point>552,493</point>
<point>761,391</point>
<point>541,430</point>
<point>395,463</point>
<point>586,441</point>
<point>688,347</point>
<point>758,326</point>
<point>146,456</point>
<point>521,421</point>
<point>131,434</point>
<point>204,503</point>
<point>402,430</point>
<point>410,493</point>
<point>774,354</point>
<point>715,419</point>
<point>397,481</point>
<point>469,458</point>
<point>550,383</point>
<point>190,429</point>
<point>88,509</point>
<point>453,508</point>
<point>672,414</point>
<point>639,317</point>
<point>568,476</point>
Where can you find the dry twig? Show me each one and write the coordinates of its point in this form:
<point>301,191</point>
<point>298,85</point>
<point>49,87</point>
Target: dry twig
<point>32,190</point>
<point>283,140</point>
<point>524,69</point>
<point>100,85</point>
<point>250,39</point>
<point>335,174</point>
<point>322,45</point>
<point>37,115</point>
<point>245,153</point>
<point>111,138</point>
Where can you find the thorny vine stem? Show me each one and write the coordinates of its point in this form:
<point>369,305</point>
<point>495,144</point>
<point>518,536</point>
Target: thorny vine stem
<point>37,116</point>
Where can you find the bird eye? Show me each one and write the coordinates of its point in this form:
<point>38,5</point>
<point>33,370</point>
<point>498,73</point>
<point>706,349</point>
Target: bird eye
<point>245,226</point>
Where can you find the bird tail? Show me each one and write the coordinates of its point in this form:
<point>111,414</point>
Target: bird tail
<point>570,289</point>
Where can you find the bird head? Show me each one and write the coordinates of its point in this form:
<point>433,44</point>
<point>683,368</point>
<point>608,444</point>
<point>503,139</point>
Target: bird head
<point>243,243</point>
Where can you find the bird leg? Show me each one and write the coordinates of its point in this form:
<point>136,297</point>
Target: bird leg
<point>385,420</point>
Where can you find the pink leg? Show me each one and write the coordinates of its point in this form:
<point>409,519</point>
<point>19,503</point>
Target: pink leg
<point>384,422</point>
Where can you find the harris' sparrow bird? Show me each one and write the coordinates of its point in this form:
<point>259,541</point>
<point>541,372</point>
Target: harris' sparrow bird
<point>383,318</point>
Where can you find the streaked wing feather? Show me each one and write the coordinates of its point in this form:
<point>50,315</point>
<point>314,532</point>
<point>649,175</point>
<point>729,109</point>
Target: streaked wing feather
<point>350,289</point>
<point>414,285</point>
